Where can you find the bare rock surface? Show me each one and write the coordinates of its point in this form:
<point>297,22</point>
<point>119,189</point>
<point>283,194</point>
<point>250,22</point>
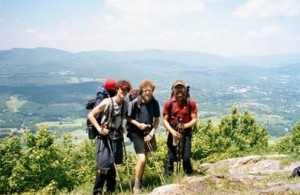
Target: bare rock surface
<point>254,174</point>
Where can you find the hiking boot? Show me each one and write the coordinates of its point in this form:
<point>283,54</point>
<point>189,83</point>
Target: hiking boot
<point>136,190</point>
<point>193,173</point>
<point>97,192</point>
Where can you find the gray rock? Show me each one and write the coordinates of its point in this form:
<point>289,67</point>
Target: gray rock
<point>253,172</point>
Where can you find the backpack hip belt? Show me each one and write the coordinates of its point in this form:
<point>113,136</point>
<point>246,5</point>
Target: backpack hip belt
<point>115,133</point>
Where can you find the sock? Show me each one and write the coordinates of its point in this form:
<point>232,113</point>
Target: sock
<point>137,184</point>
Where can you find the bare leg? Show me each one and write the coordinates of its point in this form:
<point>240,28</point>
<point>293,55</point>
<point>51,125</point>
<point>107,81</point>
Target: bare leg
<point>139,169</point>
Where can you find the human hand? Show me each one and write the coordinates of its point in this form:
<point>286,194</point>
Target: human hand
<point>148,137</point>
<point>104,131</point>
<point>143,126</point>
<point>176,134</point>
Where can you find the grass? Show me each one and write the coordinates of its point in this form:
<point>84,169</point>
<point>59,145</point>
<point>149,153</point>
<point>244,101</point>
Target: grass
<point>209,184</point>
<point>63,124</point>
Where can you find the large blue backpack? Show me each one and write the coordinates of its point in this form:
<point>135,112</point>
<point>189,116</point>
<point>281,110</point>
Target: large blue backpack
<point>101,94</point>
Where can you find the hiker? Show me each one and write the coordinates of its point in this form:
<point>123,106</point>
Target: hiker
<point>143,119</point>
<point>110,139</point>
<point>179,116</point>
<point>110,86</point>
<point>105,90</point>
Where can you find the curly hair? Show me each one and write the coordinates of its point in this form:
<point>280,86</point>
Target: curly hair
<point>146,83</point>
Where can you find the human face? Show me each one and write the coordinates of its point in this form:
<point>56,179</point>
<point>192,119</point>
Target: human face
<point>123,91</point>
<point>147,93</point>
<point>179,92</point>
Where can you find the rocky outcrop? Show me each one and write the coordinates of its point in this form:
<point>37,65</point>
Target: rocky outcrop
<point>256,174</point>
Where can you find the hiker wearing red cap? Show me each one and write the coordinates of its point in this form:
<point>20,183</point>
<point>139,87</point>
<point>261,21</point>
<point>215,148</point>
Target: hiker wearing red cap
<point>179,116</point>
<point>109,149</point>
<point>110,86</point>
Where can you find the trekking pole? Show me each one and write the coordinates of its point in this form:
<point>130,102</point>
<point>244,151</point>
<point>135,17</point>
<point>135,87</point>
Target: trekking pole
<point>179,146</point>
<point>178,157</point>
<point>176,145</point>
<point>177,141</point>
<point>158,169</point>
<point>127,166</point>
<point>115,166</point>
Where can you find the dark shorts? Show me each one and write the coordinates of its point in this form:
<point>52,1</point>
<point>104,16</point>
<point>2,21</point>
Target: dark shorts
<point>108,152</point>
<point>140,146</point>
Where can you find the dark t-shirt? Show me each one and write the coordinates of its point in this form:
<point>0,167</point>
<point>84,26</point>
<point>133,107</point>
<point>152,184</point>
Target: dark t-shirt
<point>142,112</point>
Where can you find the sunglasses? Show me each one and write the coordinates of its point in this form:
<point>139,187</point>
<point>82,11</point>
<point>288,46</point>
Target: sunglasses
<point>125,87</point>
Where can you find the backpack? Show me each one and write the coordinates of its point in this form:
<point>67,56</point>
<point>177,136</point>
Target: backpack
<point>296,172</point>
<point>101,94</point>
<point>134,94</point>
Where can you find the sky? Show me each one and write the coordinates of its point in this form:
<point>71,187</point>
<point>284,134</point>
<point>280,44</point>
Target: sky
<point>222,27</point>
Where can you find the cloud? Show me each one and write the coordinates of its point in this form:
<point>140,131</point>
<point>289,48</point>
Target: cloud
<point>136,18</point>
<point>46,37</point>
<point>155,8</point>
<point>264,33</point>
<point>268,9</point>
<point>271,31</point>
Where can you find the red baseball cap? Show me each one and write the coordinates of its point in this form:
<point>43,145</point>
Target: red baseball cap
<point>110,84</point>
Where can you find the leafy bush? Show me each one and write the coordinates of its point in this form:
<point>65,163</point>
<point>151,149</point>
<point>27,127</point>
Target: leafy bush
<point>10,153</point>
<point>289,143</point>
<point>296,134</point>
<point>236,135</point>
<point>284,145</point>
<point>43,163</point>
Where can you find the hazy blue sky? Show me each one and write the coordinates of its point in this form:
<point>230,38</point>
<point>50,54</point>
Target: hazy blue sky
<point>224,27</point>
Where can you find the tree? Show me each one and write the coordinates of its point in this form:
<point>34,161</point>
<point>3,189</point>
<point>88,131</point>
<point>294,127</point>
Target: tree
<point>43,164</point>
<point>207,141</point>
<point>10,153</point>
<point>296,134</point>
<point>244,132</point>
<point>284,145</point>
<point>289,143</point>
<point>236,135</point>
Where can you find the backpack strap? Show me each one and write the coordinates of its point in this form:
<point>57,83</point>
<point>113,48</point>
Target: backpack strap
<point>110,110</point>
<point>188,102</point>
<point>138,103</point>
<point>170,108</point>
<point>123,113</point>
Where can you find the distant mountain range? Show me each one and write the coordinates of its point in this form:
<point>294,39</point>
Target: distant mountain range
<point>265,85</point>
<point>61,66</point>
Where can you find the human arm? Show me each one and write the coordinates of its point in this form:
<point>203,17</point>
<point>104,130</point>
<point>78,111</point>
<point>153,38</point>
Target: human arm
<point>94,113</point>
<point>169,127</point>
<point>190,124</point>
<point>153,130</point>
<point>140,126</point>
